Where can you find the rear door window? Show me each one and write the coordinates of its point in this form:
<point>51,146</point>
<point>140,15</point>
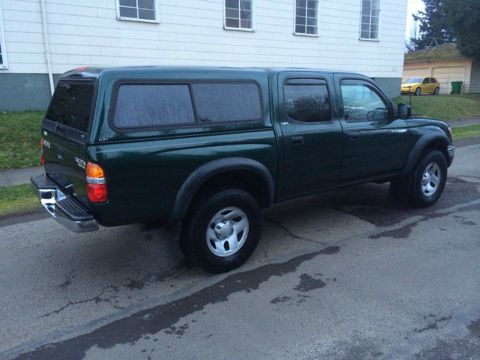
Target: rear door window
<point>71,105</point>
<point>227,102</point>
<point>153,105</point>
<point>307,100</point>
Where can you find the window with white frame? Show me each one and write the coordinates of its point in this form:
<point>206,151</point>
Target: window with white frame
<point>3,55</point>
<point>141,10</point>
<point>370,19</point>
<point>306,17</point>
<point>239,14</point>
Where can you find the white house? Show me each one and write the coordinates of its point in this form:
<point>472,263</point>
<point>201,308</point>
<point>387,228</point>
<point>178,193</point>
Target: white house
<point>40,39</point>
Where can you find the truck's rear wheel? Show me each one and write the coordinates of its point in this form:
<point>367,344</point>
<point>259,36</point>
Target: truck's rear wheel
<point>222,230</point>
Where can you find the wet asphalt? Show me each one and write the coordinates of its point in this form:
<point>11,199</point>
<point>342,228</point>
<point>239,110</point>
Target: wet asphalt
<point>342,275</point>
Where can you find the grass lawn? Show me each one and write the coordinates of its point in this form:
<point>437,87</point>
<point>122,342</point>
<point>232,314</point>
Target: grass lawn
<point>445,107</point>
<point>20,199</point>
<point>20,139</point>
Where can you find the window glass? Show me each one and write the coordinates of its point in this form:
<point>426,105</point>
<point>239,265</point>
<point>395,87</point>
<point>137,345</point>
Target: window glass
<point>307,102</point>
<point>1,54</point>
<point>370,19</point>
<point>153,105</point>
<point>227,102</point>
<point>3,60</point>
<point>426,81</point>
<point>71,105</point>
<point>137,9</point>
<point>413,81</point>
<point>362,103</point>
<point>306,17</point>
<point>238,14</point>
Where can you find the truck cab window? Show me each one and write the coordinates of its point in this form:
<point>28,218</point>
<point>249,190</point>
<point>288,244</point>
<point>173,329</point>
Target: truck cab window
<point>362,103</point>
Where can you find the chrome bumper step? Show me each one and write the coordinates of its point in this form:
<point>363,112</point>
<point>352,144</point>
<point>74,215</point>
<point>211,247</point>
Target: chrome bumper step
<point>63,207</point>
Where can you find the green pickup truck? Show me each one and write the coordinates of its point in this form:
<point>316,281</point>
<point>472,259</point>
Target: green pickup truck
<point>212,147</point>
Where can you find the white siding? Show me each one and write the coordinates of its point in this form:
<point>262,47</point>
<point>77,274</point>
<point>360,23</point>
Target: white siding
<point>190,32</point>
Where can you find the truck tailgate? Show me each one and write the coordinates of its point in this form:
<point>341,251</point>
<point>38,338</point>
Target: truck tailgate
<point>64,136</point>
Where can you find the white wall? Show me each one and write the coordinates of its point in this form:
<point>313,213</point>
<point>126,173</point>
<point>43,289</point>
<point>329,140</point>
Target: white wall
<point>190,32</point>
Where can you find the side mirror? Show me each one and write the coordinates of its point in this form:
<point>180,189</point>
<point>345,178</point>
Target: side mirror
<point>404,111</point>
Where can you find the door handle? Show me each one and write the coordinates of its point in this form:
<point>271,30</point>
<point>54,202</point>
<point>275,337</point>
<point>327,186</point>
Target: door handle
<point>297,140</point>
<point>354,136</point>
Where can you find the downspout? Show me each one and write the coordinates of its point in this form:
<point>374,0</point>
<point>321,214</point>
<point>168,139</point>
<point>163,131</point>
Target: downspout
<point>47,45</point>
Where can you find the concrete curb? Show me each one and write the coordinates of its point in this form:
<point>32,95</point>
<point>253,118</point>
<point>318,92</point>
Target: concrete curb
<point>463,123</point>
<point>18,176</point>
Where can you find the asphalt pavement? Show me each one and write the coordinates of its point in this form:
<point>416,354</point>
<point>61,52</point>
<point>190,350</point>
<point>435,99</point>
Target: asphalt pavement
<point>342,275</point>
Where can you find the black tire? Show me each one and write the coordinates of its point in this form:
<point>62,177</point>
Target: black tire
<point>408,190</point>
<point>418,92</point>
<point>418,197</point>
<point>193,239</point>
<point>436,91</point>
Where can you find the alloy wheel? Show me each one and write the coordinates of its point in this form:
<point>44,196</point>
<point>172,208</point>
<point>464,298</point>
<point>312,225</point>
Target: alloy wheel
<point>227,231</point>
<point>431,179</point>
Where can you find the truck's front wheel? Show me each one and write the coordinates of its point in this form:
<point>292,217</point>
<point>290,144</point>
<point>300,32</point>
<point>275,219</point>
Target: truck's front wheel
<point>222,230</point>
<point>428,179</point>
<point>424,186</point>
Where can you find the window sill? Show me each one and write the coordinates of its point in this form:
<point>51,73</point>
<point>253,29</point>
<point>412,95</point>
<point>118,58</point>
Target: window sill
<point>306,35</point>
<point>122,18</point>
<point>3,67</point>
<point>369,40</point>
<point>238,29</point>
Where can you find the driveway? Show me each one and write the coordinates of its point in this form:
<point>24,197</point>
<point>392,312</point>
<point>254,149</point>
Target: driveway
<point>343,275</point>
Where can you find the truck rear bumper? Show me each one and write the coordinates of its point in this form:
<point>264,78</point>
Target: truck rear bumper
<point>63,207</point>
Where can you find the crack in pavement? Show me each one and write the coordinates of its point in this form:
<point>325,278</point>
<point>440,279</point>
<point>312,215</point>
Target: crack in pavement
<point>138,284</point>
<point>130,284</point>
<point>132,328</point>
<point>291,233</point>
<point>97,299</point>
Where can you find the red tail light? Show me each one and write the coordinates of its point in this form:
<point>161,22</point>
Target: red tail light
<point>97,191</point>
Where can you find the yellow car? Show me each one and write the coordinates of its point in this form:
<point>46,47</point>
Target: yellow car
<point>419,86</point>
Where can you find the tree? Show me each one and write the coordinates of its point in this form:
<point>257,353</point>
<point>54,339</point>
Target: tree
<point>434,28</point>
<point>463,18</point>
